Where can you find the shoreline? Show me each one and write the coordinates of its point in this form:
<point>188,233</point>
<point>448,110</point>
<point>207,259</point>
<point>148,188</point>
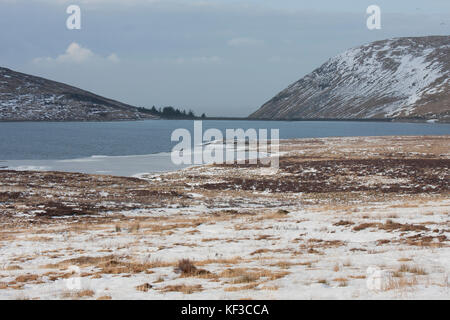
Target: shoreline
<point>104,165</point>
<point>393,120</point>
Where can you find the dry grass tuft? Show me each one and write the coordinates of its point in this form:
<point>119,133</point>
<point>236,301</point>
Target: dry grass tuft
<point>251,286</point>
<point>412,269</point>
<point>247,278</point>
<point>390,226</point>
<point>240,275</point>
<point>343,223</point>
<point>135,227</point>
<point>13,267</point>
<point>270,288</point>
<point>405,260</point>
<point>400,283</point>
<point>282,264</point>
<point>187,269</point>
<point>186,289</point>
<point>144,287</point>
<point>85,293</point>
<point>259,251</point>
<point>77,294</point>
<point>342,282</point>
<point>111,264</point>
<point>282,212</point>
<point>27,278</point>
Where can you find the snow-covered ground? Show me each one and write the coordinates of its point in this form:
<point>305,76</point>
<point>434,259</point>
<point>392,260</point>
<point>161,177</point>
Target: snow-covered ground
<point>342,220</point>
<point>306,254</point>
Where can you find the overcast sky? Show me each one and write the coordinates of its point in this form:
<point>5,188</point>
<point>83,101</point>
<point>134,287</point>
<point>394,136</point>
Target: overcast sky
<point>222,57</point>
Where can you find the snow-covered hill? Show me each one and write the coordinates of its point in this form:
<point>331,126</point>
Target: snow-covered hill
<point>28,98</point>
<point>397,78</point>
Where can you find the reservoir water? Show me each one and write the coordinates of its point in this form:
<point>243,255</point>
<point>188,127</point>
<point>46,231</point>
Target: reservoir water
<point>134,147</point>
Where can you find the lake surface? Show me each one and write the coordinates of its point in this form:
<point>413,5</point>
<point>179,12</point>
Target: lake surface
<point>133,147</point>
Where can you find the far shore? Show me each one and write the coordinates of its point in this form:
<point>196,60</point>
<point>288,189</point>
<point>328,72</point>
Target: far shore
<point>407,120</point>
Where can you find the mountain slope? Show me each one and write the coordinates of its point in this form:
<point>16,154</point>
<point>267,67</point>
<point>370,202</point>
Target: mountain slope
<point>402,78</point>
<point>28,98</point>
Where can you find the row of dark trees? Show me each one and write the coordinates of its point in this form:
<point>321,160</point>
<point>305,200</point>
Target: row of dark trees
<point>172,113</point>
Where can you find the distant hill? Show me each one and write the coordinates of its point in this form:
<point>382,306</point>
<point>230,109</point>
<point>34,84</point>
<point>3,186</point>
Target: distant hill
<point>401,78</point>
<point>28,98</point>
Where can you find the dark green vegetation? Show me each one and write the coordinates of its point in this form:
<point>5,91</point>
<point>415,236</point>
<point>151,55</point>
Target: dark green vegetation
<point>171,113</point>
